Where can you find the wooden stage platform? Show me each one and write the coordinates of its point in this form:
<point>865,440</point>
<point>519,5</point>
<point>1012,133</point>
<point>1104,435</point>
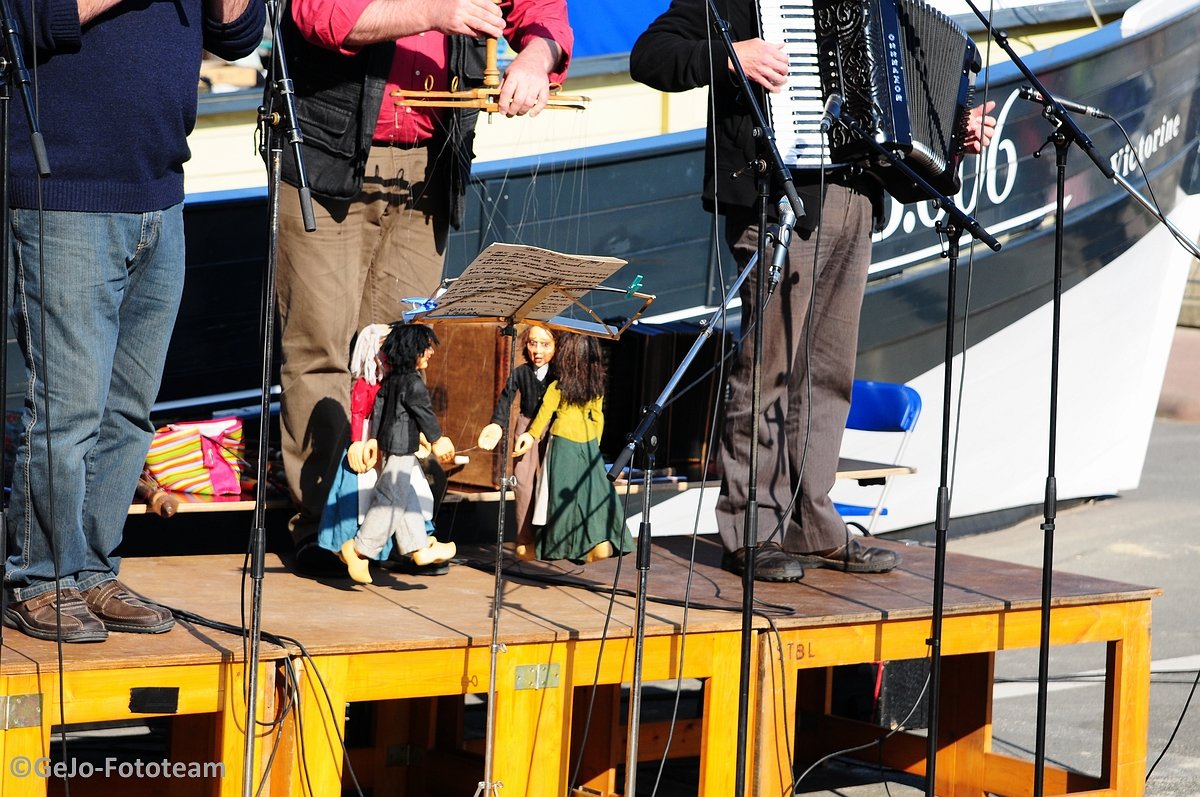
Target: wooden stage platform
<point>410,650</point>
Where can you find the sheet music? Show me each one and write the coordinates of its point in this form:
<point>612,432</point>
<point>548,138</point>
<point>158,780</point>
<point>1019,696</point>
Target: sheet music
<point>504,278</point>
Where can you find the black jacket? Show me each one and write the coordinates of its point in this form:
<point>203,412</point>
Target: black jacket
<point>674,55</point>
<point>524,381</point>
<point>404,410</point>
<point>337,101</point>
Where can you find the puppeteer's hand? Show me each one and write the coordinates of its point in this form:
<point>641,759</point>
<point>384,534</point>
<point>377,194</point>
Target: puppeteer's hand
<point>474,18</point>
<point>980,127</point>
<point>763,62</point>
<point>371,453</point>
<point>526,85</point>
<point>443,450</point>
<point>489,436</point>
<point>524,443</point>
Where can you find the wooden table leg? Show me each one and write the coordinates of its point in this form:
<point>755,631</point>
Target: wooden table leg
<point>717,754</point>
<point>529,756</point>
<point>965,724</point>
<point>23,748</point>
<point>1127,705</point>
<point>320,727</point>
<point>596,725</point>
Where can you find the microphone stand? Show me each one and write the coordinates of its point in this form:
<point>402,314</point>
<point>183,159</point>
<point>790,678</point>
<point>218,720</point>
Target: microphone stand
<point>958,221</point>
<point>644,437</point>
<point>489,785</point>
<point>278,87</point>
<point>12,71</point>
<point>1066,132</point>
<point>770,163</point>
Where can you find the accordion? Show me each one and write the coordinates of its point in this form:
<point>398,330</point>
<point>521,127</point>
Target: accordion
<point>904,71</point>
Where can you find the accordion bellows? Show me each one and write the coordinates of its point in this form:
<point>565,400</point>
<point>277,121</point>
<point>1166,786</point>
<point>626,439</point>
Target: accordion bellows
<point>904,71</point>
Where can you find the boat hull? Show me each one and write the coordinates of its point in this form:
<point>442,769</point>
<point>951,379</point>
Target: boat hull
<point>1122,279</point>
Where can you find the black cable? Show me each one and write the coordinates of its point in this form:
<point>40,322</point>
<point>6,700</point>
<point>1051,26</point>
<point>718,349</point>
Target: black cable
<point>687,594</point>
<point>608,614</point>
<point>878,741</point>
<point>283,641</point>
<point>31,390</point>
<point>1186,705</point>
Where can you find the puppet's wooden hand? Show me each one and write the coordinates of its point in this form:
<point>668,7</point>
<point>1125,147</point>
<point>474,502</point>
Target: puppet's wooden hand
<point>443,450</point>
<point>489,436</point>
<point>354,457</point>
<point>524,443</point>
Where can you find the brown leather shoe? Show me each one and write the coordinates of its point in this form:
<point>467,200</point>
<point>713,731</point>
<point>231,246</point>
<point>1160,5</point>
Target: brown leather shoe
<point>853,557</point>
<point>38,617</point>
<point>121,611</point>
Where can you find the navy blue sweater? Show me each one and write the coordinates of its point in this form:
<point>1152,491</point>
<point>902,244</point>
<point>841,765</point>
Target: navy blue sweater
<point>116,99</point>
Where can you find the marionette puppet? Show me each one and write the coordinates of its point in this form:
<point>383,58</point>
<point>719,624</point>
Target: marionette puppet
<point>576,505</point>
<point>529,380</point>
<point>402,503</point>
<point>352,488</point>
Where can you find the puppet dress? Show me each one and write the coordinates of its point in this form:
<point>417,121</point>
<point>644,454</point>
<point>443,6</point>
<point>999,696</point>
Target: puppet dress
<point>351,493</point>
<point>580,504</point>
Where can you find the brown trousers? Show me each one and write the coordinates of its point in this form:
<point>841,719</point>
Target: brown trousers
<point>366,256</point>
<point>807,375</point>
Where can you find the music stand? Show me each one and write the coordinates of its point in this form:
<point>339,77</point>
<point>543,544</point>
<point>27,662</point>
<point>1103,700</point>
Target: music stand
<point>509,284</point>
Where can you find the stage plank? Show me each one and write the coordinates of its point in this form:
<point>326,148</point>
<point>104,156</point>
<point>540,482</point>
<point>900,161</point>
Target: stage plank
<point>409,637</point>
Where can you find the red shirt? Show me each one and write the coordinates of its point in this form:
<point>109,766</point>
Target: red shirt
<point>328,22</point>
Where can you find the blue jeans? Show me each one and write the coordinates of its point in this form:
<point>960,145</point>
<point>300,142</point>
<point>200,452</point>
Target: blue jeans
<point>108,302</point>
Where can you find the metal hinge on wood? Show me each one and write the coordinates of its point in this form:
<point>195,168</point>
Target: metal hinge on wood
<point>537,676</point>
<point>21,711</point>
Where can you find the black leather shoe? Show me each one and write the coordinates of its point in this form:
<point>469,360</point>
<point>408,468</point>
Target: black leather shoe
<point>853,557</point>
<point>404,565</point>
<point>771,563</point>
<point>316,562</point>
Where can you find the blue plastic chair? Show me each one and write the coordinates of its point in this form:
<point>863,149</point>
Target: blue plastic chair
<point>881,407</point>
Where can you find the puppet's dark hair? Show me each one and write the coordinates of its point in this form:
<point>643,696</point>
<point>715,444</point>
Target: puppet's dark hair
<point>405,343</point>
<point>580,365</point>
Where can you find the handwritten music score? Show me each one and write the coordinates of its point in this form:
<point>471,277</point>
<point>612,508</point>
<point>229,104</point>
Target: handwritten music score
<point>523,283</point>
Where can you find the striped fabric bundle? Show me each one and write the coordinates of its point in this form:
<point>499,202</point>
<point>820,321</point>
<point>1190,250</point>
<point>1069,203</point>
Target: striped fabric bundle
<point>203,457</point>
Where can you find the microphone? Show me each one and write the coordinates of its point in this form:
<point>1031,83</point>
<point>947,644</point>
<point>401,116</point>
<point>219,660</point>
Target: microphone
<point>833,110</point>
<point>783,237</point>
<point>1028,93</point>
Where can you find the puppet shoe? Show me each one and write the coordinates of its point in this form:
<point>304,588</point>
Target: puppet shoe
<point>434,552</point>
<point>600,551</point>
<point>525,553</point>
<point>360,568</point>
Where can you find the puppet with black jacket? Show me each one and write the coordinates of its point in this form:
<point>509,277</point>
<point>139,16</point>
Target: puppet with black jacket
<point>528,381</point>
<point>402,504</point>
